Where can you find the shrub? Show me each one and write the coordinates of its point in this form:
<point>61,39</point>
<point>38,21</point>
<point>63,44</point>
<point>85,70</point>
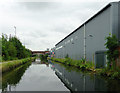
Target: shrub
<point>115,75</point>
<point>77,63</point>
<point>67,56</point>
<point>44,57</point>
<point>112,44</point>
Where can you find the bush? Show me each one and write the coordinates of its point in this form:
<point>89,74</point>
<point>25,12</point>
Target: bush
<point>115,75</point>
<point>112,52</point>
<point>44,57</point>
<point>77,63</point>
<point>13,49</point>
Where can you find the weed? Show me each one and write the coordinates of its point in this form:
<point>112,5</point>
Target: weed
<point>83,64</point>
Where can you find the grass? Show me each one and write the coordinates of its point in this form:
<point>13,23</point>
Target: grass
<point>82,64</point>
<point>89,66</point>
<point>4,67</point>
<point>111,73</point>
<point>0,58</point>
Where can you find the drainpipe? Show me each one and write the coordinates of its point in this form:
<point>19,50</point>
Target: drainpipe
<point>84,42</point>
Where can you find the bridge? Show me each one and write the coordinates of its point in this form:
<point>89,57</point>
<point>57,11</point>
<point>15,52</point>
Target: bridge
<point>39,52</point>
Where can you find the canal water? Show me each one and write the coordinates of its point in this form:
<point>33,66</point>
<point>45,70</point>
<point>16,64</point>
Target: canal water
<point>42,76</point>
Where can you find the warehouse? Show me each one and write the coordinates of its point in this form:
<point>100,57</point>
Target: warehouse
<point>88,40</point>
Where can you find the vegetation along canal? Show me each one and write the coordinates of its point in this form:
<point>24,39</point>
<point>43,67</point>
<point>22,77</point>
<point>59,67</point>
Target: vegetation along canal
<point>39,76</point>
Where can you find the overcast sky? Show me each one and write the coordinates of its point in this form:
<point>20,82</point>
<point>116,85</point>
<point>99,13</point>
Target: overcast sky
<point>41,25</point>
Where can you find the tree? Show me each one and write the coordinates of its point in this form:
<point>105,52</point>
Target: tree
<point>12,48</point>
<point>22,52</point>
<point>112,52</point>
<point>12,52</point>
<point>5,54</point>
<point>18,46</point>
<point>44,57</point>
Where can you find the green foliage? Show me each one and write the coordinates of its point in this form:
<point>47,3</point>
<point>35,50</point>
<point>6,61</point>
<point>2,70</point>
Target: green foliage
<point>13,64</point>
<point>41,57</point>
<point>112,44</point>
<point>0,46</point>
<point>0,58</point>
<point>12,77</point>
<point>112,74</point>
<point>115,75</point>
<point>4,47</point>
<point>22,52</point>
<point>12,48</point>
<point>44,57</point>
<point>83,60</point>
<point>67,56</point>
<point>83,64</point>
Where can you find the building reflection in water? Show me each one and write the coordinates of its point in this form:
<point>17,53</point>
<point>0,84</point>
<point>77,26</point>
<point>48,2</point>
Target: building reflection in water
<point>79,81</point>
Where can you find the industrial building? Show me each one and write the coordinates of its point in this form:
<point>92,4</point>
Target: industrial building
<point>87,41</point>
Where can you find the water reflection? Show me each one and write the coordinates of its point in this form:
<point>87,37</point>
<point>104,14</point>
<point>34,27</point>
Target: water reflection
<point>13,77</point>
<point>43,76</point>
<point>38,61</point>
<point>77,80</point>
<point>38,77</point>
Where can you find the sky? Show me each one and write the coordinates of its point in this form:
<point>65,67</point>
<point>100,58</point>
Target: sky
<point>40,24</point>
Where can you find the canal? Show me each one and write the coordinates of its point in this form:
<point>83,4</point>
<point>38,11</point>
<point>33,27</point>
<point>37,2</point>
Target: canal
<point>40,76</point>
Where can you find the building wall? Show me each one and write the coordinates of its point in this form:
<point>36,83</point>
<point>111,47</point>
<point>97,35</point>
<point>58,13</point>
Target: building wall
<point>75,47</point>
<point>115,18</point>
<point>72,46</point>
<point>58,51</point>
<point>95,31</point>
<point>119,21</point>
<point>99,28</point>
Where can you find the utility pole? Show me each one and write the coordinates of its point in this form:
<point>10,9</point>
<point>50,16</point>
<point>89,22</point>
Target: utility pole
<point>15,30</point>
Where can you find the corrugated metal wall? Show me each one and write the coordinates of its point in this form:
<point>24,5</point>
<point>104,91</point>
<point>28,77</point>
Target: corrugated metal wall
<point>119,21</point>
<point>96,30</point>
<point>99,28</point>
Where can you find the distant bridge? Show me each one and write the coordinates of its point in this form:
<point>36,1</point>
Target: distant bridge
<point>40,52</point>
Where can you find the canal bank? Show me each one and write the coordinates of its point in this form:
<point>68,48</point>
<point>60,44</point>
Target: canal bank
<point>89,66</point>
<point>36,76</point>
<point>77,80</point>
<point>13,77</point>
<point>6,66</point>
<point>39,76</point>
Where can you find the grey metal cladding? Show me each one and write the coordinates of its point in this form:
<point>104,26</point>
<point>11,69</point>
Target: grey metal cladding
<point>76,49</point>
<point>99,28</point>
<point>119,20</point>
<point>114,18</point>
<point>72,45</point>
<point>85,22</point>
<point>96,29</point>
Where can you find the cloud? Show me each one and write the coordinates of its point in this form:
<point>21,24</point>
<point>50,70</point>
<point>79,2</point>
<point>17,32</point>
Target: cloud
<point>40,25</point>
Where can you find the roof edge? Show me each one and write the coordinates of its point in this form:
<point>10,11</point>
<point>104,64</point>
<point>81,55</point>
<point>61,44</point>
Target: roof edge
<point>108,5</point>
